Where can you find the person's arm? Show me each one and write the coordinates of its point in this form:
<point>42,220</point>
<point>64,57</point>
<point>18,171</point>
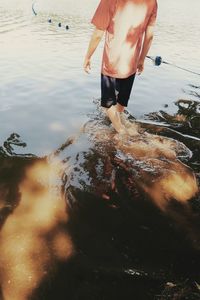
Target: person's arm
<point>145,48</point>
<point>94,42</point>
<point>101,21</point>
<point>148,37</point>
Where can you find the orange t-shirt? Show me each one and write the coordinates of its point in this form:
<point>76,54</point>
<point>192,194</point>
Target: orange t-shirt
<point>125,22</point>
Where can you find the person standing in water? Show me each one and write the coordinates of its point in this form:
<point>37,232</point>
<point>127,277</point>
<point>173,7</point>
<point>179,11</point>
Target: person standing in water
<point>129,28</point>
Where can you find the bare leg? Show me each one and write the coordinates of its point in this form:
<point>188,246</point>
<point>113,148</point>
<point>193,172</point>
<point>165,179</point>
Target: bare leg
<point>120,108</point>
<point>114,117</point>
<point>130,127</point>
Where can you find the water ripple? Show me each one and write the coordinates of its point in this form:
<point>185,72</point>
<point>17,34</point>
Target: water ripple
<point>11,21</point>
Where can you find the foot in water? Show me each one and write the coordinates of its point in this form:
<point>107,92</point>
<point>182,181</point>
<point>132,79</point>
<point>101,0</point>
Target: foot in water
<point>132,131</point>
<point>131,127</point>
<point>114,117</point>
<point>124,120</point>
<point>118,122</point>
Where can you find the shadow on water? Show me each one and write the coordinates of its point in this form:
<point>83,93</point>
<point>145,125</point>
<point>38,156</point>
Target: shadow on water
<point>103,216</point>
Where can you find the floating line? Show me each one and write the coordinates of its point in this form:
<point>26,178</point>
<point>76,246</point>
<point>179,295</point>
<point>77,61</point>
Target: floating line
<point>33,9</point>
<point>158,60</point>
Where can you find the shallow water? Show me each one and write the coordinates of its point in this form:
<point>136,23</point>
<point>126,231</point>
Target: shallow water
<point>43,68</point>
<point>45,98</point>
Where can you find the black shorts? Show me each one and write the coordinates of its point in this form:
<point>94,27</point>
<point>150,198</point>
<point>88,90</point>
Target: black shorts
<point>115,90</point>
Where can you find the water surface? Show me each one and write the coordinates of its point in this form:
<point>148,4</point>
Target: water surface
<point>113,239</point>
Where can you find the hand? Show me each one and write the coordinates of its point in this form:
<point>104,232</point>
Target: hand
<point>140,67</point>
<point>87,65</point>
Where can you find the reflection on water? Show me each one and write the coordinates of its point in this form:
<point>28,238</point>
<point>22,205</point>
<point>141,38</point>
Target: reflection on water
<point>44,69</point>
<point>185,125</point>
<point>8,147</point>
<point>186,119</point>
<point>87,213</point>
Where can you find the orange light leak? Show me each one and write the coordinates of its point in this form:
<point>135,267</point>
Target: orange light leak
<point>32,238</point>
<point>175,181</point>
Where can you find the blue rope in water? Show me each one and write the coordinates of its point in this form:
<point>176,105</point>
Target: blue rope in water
<point>158,60</point>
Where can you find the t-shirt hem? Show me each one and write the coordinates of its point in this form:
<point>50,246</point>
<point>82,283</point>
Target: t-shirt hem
<point>117,75</point>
